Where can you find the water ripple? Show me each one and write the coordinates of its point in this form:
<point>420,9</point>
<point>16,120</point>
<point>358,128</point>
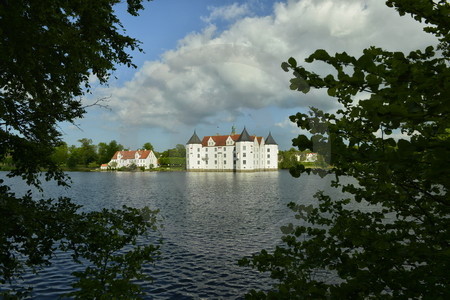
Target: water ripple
<point>211,220</point>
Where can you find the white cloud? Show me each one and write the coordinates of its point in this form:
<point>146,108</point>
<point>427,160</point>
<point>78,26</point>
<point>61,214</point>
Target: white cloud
<point>291,127</point>
<point>213,76</point>
<point>227,13</point>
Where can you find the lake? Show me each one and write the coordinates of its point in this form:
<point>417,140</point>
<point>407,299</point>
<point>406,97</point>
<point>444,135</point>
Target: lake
<point>211,220</point>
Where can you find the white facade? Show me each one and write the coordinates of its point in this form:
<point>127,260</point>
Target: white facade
<point>308,157</point>
<point>235,152</point>
<point>311,157</point>
<point>140,158</point>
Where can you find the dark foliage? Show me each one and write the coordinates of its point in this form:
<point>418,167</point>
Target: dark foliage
<point>390,238</point>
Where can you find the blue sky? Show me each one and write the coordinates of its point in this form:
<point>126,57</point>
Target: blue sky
<point>209,65</point>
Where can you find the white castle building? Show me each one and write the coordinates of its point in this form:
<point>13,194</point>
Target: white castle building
<point>234,152</point>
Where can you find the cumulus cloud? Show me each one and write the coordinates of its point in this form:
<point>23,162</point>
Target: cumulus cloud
<point>227,13</point>
<point>213,75</point>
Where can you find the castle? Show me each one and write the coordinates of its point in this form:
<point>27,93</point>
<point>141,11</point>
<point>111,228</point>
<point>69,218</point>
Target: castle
<point>234,152</point>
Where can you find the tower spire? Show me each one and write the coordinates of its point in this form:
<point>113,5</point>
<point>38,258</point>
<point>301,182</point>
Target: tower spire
<point>244,137</point>
<point>194,139</point>
<point>270,140</point>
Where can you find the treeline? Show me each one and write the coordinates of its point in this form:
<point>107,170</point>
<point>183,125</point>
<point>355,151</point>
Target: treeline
<point>175,157</point>
<point>88,155</point>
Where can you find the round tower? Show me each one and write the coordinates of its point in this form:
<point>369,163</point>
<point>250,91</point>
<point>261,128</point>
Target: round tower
<point>244,152</point>
<point>270,153</point>
<point>193,153</point>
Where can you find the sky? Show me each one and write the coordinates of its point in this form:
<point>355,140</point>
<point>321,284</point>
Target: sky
<point>209,65</point>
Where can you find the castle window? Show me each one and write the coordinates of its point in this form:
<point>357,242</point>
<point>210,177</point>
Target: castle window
<point>268,155</point>
<point>244,147</point>
<point>198,149</point>
<point>224,162</point>
<point>198,162</point>
<point>244,162</point>
<point>198,155</point>
<point>215,162</point>
<point>268,162</point>
<point>268,149</point>
<point>206,149</point>
<point>244,154</point>
<point>224,155</point>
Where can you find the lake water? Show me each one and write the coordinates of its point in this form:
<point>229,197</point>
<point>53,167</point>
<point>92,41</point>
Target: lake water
<point>211,220</point>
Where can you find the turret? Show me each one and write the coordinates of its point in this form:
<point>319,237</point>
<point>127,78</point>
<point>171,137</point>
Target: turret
<point>270,140</point>
<point>270,153</point>
<point>194,139</point>
<point>244,152</point>
<point>193,153</point>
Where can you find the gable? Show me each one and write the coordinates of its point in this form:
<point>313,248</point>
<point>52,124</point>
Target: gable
<point>139,154</point>
<point>219,140</point>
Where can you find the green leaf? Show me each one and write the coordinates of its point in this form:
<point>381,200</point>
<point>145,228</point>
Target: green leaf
<point>285,66</point>
<point>332,91</point>
<point>292,62</point>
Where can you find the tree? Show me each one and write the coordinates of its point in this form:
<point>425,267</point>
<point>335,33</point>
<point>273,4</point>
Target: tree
<point>106,151</point>
<point>178,151</point>
<point>148,146</point>
<point>174,157</point>
<point>102,151</point>
<point>61,154</point>
<point>390,238</point>
<point>181,149</point>
<point>87,151</point>
<point>74,158</point>
<point>288,158</point>
<point>48,51</point>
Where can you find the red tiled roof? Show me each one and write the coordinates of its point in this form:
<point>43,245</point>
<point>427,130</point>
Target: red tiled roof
<point>258,138</point>
<point>143,154</point>
<point>221,140</point>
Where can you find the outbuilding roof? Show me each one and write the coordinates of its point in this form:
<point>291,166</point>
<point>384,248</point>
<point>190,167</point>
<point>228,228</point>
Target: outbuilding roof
<point>143,154</point>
